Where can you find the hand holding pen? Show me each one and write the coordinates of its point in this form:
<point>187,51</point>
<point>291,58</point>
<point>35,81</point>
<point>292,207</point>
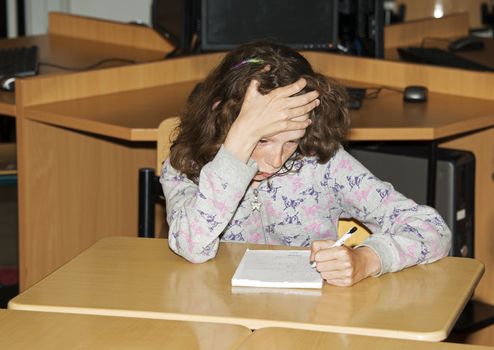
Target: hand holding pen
<point>339,242</point>
<point>343,266</point>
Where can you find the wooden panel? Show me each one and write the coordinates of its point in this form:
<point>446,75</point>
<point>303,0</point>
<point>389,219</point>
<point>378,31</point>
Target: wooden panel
<point>48,331</point>
<point>414,32</point>
<point>484,336</point>
<point>7,103</point>
<point>380,72</point>
<point>75,188</point>
<point>132,115</point>
<point>482,145</point>
<point>417,9</point>
<point>110,32</point>
<point>8,156</point>
<point>296,339</point>
<point>56,88</point>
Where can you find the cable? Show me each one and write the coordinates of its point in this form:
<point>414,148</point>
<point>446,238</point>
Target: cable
<point>373,92</point>
<point>99,63</point>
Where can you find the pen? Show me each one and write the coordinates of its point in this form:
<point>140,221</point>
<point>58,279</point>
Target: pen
<point>340,241</point>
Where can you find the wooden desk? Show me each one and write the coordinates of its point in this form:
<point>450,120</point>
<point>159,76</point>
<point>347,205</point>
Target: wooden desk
<point>139,277</point>
<point>83,142</point>
<point>296,339</point>
<point>42,330</point>
<point>78,42</point>
<point>136,115</point>
<point>435,32</point>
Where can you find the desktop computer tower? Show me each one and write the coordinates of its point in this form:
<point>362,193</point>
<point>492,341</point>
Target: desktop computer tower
<point>405,167</point>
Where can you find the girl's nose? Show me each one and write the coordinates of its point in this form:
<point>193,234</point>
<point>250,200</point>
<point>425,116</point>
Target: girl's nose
<point>275,160</point>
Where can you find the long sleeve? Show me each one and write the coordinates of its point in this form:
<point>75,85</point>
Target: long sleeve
<point>404,233</point>
<point>197,214</point>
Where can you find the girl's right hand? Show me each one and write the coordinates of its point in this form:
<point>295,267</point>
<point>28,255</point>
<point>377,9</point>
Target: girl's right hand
<point>267,115</point>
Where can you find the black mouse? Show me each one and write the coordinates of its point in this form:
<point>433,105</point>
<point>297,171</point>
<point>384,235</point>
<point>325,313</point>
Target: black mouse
<point>7,83</point>
<point>415,93</point>
<point>467,43</point>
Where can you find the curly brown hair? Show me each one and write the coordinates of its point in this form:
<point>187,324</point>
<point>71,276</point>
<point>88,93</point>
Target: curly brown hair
<point>203,128</point>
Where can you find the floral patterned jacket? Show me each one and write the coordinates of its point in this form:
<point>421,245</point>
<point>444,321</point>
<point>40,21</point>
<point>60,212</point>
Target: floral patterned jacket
<point>296,208</point>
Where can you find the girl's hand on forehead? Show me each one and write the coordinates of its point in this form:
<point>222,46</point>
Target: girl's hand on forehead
<point>275,112</point>
<point>267,115</point>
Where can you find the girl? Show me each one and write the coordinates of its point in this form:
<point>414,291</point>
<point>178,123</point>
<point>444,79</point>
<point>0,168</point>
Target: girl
<point>258,159</point>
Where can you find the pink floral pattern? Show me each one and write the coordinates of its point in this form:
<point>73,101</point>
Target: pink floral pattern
<point>297,208</point>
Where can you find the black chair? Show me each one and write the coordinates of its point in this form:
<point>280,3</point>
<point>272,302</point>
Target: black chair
<point>150,192</point>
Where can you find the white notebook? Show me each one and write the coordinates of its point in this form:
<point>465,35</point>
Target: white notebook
<point>276,269</point>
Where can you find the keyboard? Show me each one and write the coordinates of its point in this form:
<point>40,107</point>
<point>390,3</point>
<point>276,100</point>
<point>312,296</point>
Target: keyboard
<point>439,57</point>
<point>18,61</point>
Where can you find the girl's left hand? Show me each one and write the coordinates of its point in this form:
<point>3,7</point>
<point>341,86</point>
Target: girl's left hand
<point>343,266</point>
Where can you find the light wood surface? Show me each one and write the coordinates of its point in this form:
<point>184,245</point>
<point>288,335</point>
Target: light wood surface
<point>414,32</point>
<point>76,188</point>
<point>48,89</point>
<point>296,339</point>
<point>42,330</point>
<point>105,31</point>
<point>136,115</point>
<point>7,158</point>
<point>132,115</point>
<point>417,9</point>
<point>399,74</point>
<point>135,277</point>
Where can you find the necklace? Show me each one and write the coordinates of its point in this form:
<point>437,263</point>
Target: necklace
<point>256,205</point>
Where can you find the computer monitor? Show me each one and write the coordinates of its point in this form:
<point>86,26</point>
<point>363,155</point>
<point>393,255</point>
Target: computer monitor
<point>176,20</point>
<point>299,24</point>
<point>361,27</point>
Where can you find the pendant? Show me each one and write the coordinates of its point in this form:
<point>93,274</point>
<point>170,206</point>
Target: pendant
<point>256,205</point>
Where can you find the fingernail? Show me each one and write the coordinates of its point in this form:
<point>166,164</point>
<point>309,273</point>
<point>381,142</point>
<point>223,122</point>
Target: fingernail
<point>313,264</point>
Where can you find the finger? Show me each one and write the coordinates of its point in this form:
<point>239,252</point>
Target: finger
<point>334,254</point>
<point>333,266</point>
<point>252,90</point>
<point>299,111</point>
<point>315,246</point>
<point>291,89</point>
<point>289,125</point>
<point>301,100</point>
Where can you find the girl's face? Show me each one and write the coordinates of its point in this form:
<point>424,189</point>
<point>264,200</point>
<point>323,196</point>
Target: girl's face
<point>272,152</point>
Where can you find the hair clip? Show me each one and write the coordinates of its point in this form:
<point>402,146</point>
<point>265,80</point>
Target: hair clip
<point>248,60</point>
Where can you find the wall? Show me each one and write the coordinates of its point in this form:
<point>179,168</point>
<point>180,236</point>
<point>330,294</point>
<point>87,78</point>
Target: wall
<point>118,10</point>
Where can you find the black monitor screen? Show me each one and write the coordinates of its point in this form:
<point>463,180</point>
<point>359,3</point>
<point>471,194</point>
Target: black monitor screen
<point>175,20</point>
<point>300,24</point>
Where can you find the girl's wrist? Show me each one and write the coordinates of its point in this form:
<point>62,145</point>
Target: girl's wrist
<point>372,263</point>
<point>239,143</point>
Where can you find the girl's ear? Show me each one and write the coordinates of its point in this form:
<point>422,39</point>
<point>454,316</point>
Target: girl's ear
<point>215,105</point>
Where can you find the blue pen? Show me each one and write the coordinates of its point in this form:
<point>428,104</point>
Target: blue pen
<point>340,241</point>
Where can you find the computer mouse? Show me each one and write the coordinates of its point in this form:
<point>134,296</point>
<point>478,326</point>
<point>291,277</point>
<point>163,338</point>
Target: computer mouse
<point>467,43</point>
<point>415,93</point>
<point>7,83</point>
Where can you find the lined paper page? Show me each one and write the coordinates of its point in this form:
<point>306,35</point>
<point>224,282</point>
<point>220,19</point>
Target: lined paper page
<point>276,269</point>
